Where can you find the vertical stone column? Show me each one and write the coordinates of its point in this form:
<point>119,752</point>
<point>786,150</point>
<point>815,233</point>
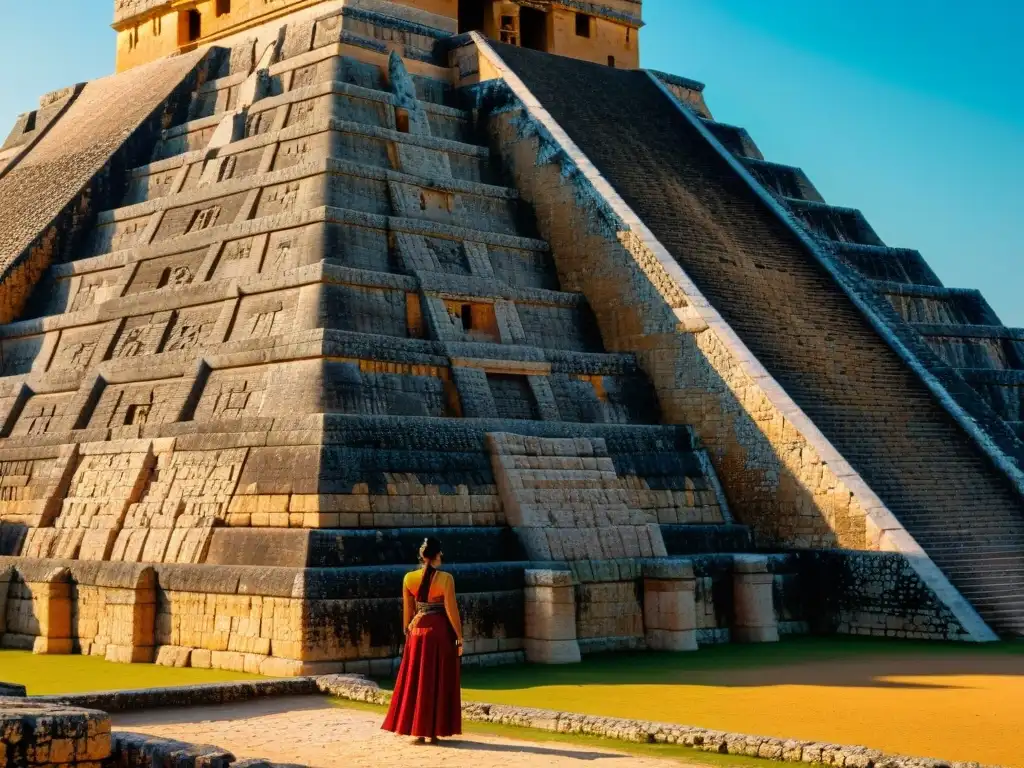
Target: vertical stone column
<point>670,613</point>
<point>551,618</point>
<point>755,620</point>
<point>51,604</point>
<point>130,615</point>
<point>6,575</point>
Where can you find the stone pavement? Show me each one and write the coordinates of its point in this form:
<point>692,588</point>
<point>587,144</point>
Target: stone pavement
<point>311,732</point>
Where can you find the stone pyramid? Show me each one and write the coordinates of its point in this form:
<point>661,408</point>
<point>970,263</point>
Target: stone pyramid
<point>278,306</point>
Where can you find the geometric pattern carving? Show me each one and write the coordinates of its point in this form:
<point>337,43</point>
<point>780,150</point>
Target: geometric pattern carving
<point>134,405</point>
<point>75,349</point>
<point>188,491</point>
<point>167,272</point>
<point>41,414</point>
<point>191,328</point>
<point>265,315</point>
<point>232,394</point>
<point>140,335</point>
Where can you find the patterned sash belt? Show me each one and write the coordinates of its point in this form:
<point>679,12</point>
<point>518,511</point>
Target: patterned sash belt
<point>425,609</point>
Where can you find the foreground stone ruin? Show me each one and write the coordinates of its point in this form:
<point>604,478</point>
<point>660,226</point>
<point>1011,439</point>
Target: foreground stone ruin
<point>280,305</point>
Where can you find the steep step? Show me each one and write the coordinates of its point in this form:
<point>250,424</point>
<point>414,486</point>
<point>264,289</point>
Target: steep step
<point>970,331</point>
<point>735,139</point>
<point>843,225</point>
<point>773,291</point>
<point>890,265</point>
<point>937,304</point>
<point>706,539</point>
<point>785,180</point>
<point>347,548</point>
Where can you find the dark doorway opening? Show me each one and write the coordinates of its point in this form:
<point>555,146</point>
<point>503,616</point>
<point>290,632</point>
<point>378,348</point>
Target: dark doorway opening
<point>533,27</point>
<point>471,15</point>
<point>195,25</point>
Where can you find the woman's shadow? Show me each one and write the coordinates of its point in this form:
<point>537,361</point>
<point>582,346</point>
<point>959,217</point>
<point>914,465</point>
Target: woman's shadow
<point>544,751</point>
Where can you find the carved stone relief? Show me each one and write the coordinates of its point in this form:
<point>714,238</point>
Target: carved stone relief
<point>167,272</point>
<point>265,315</point>
<point>140,336</point>
<point>41,415</point>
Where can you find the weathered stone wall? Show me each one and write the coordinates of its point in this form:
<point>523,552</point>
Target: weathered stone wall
<point>828,592</point>
<point>52,735</point>
<point>859,593</point>
<point>271,621</point>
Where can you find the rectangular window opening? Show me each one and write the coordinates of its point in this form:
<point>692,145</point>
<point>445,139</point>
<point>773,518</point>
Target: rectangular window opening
<point>467,317</point>
<point>583,25</point>
<point>402,120</point>
<point>223,7</point>
<point>611,62</point>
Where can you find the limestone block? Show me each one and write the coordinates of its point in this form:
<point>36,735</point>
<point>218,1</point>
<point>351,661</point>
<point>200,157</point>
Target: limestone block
<point>550,605</point>
<point>173,656</point>
<point>549,578</point>
<point>552,651</point>
<point>51,604</point>
<point>670,613</point>
<point>754,610</point>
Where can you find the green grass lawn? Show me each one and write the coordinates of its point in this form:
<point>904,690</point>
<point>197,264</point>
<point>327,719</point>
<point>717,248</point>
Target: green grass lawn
<point>44,675</point>
<point>916,698</point>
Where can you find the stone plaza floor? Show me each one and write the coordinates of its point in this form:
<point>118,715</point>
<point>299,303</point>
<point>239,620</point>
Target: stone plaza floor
<point>312,732</point>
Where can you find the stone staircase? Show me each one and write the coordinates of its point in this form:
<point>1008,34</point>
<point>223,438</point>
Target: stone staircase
<point>960,338</point>
<point>954,489</point>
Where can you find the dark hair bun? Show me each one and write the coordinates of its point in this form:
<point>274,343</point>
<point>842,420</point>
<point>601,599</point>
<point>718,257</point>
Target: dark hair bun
<point>429,549</point>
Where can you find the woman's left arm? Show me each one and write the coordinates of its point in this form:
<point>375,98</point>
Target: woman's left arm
<point>452,608</point>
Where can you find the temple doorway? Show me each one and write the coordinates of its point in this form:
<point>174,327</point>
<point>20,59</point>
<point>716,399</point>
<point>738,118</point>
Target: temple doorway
<point>533,28</point>
<point>472,14</point>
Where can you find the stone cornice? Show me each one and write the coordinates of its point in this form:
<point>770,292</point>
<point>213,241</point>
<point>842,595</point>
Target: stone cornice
<point>125,10</point>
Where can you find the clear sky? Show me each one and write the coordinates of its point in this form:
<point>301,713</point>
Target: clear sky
<point>911,110</point>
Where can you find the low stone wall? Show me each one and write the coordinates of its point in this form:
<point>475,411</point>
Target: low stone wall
<point>136,750</point>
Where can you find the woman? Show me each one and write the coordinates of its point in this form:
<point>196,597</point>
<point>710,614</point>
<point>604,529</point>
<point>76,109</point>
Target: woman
<point>427,702</point>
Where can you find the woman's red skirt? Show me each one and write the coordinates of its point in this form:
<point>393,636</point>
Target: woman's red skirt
<point>427,701</point>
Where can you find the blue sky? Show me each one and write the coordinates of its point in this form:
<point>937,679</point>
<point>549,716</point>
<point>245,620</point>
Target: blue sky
<point>911,110</point>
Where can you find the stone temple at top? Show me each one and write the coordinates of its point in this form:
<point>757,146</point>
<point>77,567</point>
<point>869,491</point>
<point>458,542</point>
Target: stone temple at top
<point>307,281</point>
